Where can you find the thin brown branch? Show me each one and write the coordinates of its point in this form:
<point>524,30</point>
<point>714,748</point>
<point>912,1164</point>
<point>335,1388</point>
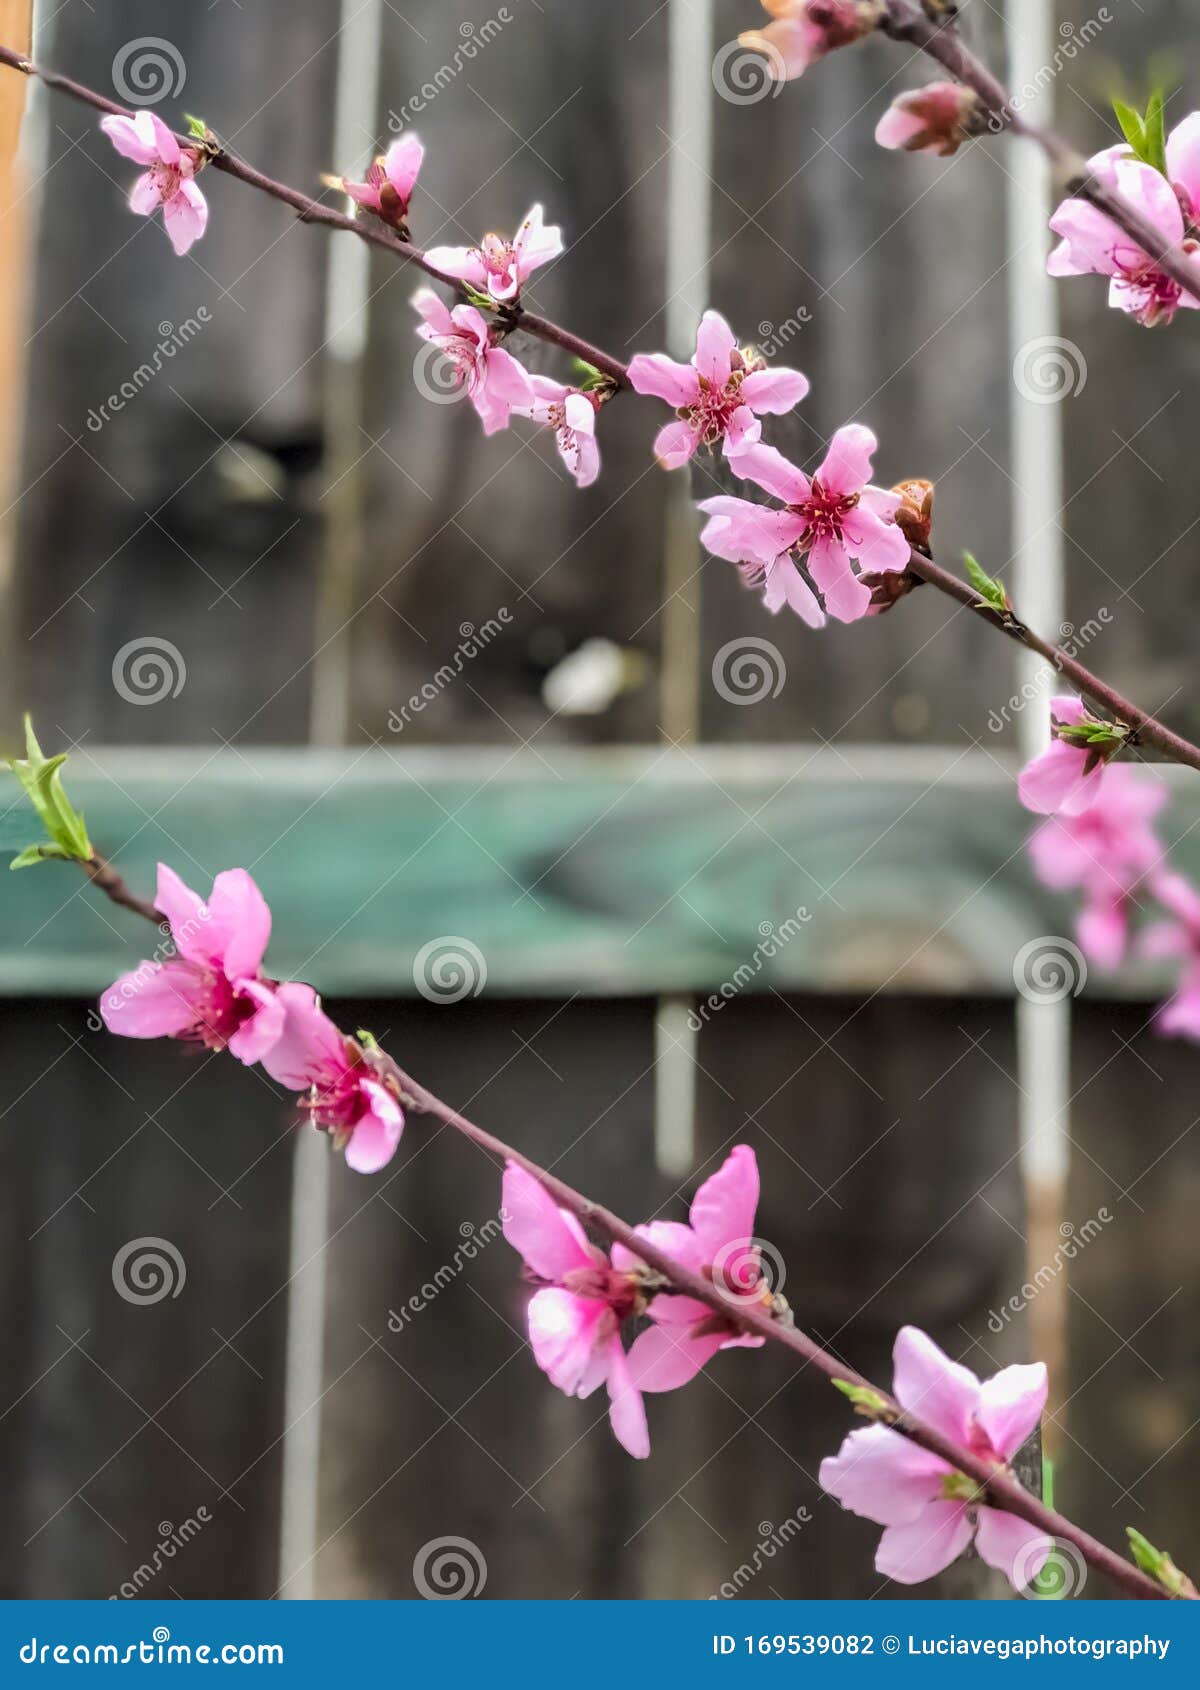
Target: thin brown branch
<point>997,1485</point>
<point>102,874</point>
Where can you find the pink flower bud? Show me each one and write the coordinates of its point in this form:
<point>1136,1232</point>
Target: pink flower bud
<point>805,30</point>
<point>936,119</point>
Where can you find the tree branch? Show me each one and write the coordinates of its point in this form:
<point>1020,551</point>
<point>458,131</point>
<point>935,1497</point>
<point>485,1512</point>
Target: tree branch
<point>997,1485</point>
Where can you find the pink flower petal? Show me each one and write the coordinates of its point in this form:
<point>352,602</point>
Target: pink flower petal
<point>882,1476</point>
<point>563,1332</point>
<point>771,471</point>
<point>377,1133</point>
<point>261,1030</point>
<point>240,916</point>
<point>132,137</point>
<point>928,1384</point>
<point>1183,159</point>
<point>626,1410</point>
<point>715,346</point>
<point>659,377</point>
<point>784,584</point>
<point>402,165</point>
<point>186,217</point>
<point>310,1048</point>
<point>462,262</point>
<point>1011,1405</point>
<point>774,392</point>
<point>847,466</point>
<point>663,1357</point>
<point>912,1553</point>
<point>144,196</point>
<point>154,1001</point>
<point>675,443</point>
<point>724,1208</point>
<point>538,1229</point>
<point>844,594</point>
<point>1012,1546</point>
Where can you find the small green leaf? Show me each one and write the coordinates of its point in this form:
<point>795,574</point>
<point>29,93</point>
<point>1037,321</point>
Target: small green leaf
<point>1132,127</point>
<point>38,854</point>
<point>1092,733</point>
<point>367,1040</point>
<point>42,780</point>
<point>990,592</point>
<point>197,128</point>
<point>865,1400</point>
<point>1156,1563</point>
<point>1154,145</point>
<point>481,301</point>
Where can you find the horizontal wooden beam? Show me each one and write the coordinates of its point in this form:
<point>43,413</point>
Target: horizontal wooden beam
<point>602,871</point>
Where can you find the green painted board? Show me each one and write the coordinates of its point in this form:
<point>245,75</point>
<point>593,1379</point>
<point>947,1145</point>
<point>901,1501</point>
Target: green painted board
<point>638,870</point>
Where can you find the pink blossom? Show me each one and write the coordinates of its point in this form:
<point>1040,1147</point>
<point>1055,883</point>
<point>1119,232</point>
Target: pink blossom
<point>933,119</point>
<point>1104,851</point>
<point>348,1090</point>
<point>390,181</point>
<point>499,267</point>
<point>575,1319</point>
<point>1092,244</point>
<point>1067,776</point>
<point>719,1244</point>
<point>493,380</point>
<point>718,395</point>
<point>212,989</point>
<point>572,416</point>
<point>169,180</point>
<point>925,1505</point>
<point>832,520</point>
<point>1177,937</point>
<point>804,31</point>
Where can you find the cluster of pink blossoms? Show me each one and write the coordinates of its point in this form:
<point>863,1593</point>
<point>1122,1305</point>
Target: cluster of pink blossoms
<point>1099,840</point>
<point>212,991</point>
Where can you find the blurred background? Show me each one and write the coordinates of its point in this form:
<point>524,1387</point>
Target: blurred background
<point>622,866</point>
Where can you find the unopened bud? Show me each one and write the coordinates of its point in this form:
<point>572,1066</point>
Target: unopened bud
<point>936,119</point>
<point>914,517</point>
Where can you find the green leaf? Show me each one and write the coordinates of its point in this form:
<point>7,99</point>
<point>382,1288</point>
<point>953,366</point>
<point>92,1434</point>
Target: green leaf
<point>481,301</point>
<point>1092,733</point>
<point>587,377</point>
<point>1145,132</point>
<point>1132,127</point>
<point>1156,1563</point>
<point>991,592</point>
<point>197,128</point>
<point>37,854</point>
<point>41,778</point>
<point>865,1400</point>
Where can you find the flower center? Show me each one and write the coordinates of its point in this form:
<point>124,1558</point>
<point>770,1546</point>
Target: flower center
<point>712,413</point>
<point>824,514</point>
<point>1158,293</point>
